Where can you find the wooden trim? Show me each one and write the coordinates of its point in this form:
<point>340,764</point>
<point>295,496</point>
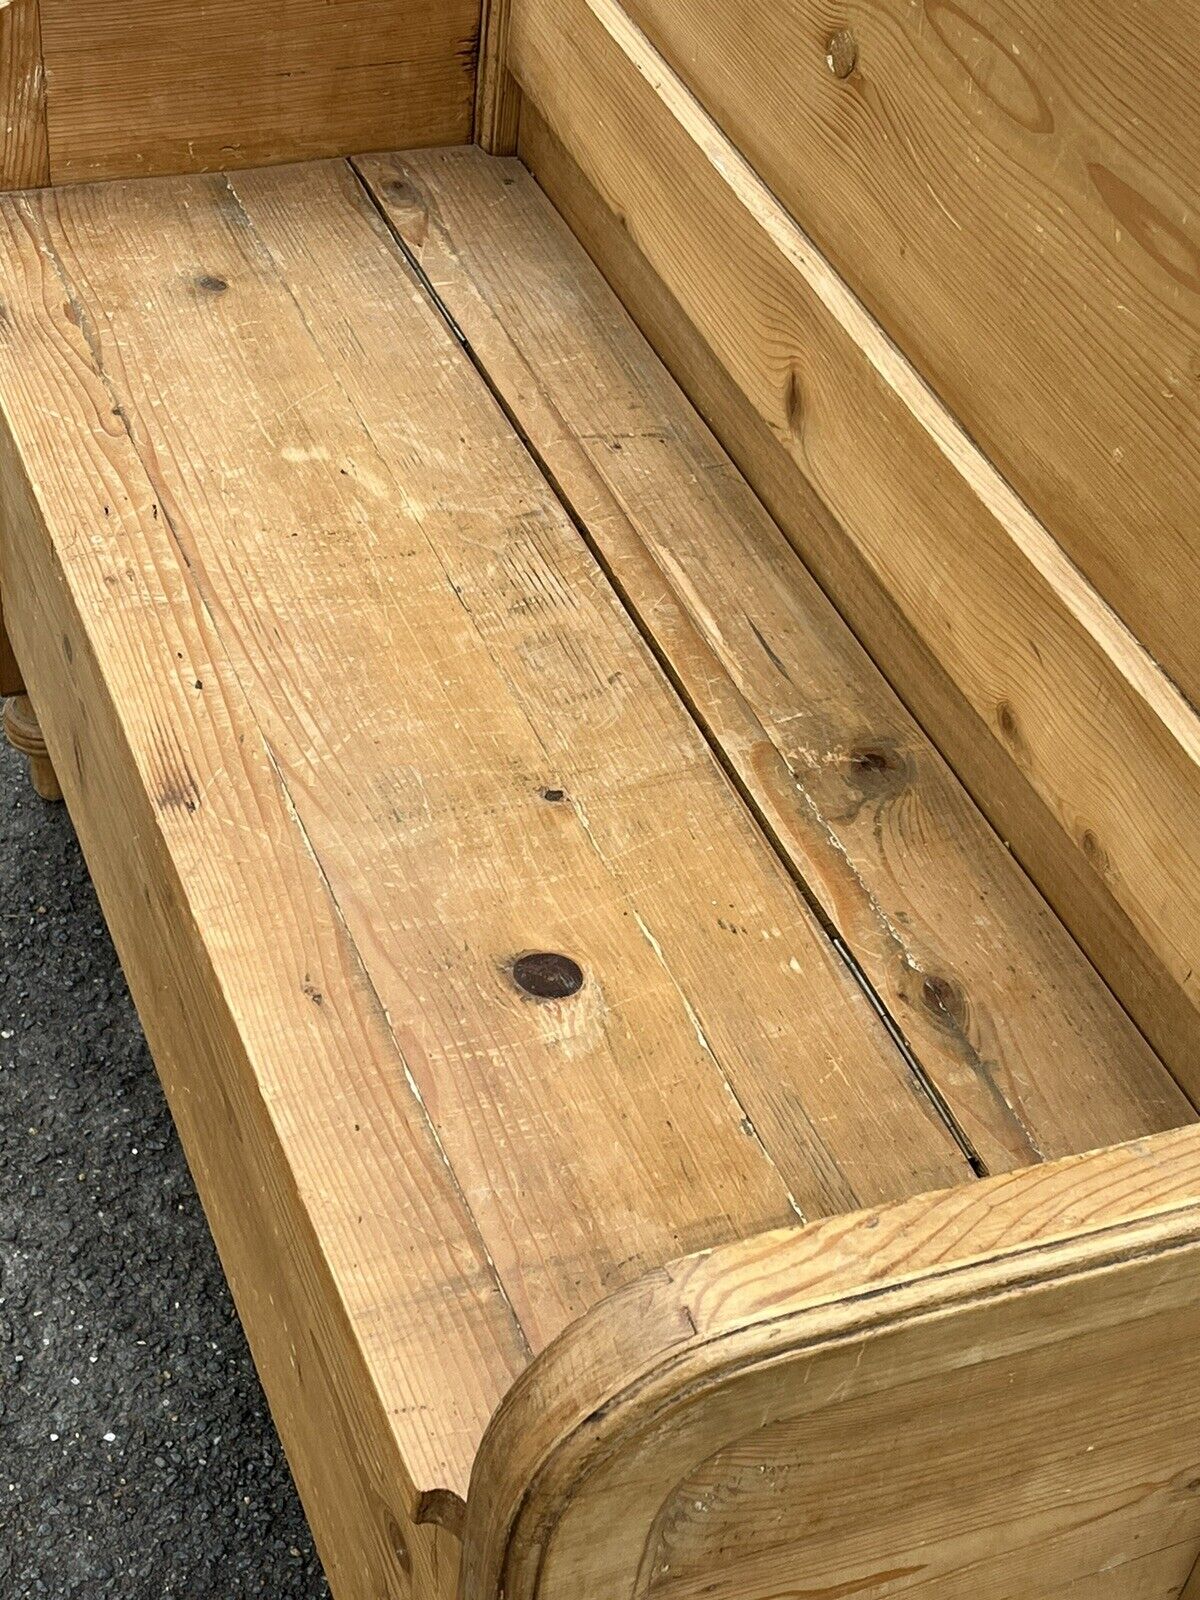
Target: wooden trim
<point>958,162</point>
<point>1070,705</point>
<point>497,97</point>
<point>991,1275</point>
<point>24,150</point>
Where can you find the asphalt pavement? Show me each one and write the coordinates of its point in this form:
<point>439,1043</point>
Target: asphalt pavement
<point>137,1455</point>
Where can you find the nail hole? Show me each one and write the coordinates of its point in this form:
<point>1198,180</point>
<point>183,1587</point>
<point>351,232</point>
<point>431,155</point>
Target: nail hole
<point>553,797</point>
<point>547,975</point>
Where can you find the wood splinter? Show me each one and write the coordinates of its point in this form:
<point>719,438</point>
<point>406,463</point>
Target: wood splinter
<point>23,732</point>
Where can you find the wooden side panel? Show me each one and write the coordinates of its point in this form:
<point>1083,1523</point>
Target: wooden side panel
<point>1061,722</point>
<point>1027,1047</point>
<point>158,86</point>
<point>1013,187</point>
<point>296,1116</point>
<point>992,1391</point>
<point>24,154</point>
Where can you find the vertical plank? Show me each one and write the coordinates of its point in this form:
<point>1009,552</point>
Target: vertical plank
<point>24,152</point>
<point>497,97</point>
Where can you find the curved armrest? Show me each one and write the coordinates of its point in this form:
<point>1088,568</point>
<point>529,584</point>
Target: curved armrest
<point>988,1391</point>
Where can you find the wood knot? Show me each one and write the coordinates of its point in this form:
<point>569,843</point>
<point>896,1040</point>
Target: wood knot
<point>398,1543</point>
<point>547,975</point>
<point>1094,851</point>
<point>841,53</point>
<point>1010,731</point>
<point>945,1001</point>
<point>553,797</point>
<point>793,403</point>
<point>210,283</point>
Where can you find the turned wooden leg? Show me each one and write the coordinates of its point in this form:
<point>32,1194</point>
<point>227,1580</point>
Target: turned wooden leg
<point>23,733</point>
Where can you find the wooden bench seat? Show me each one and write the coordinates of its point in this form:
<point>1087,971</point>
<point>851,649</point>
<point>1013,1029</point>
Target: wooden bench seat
<point>524,876</point>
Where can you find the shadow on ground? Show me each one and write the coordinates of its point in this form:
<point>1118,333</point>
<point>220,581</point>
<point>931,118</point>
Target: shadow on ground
<point>137,1455</point>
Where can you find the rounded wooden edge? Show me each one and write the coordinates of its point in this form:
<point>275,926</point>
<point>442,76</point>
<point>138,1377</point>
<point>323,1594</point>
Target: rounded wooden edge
<point>682,1332</point>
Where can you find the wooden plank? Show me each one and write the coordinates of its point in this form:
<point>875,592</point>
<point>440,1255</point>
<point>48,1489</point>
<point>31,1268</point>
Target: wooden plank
<point>375,1318</point>
<point>1030,1051</point>
<point>497,98</point>
<point>994,156</point>
<point>1074,709</point>
<point>24,157</point>
<point>481,753</point>
<point>159,86</point>
<point>1034,834</point>
<point>992,1389</point>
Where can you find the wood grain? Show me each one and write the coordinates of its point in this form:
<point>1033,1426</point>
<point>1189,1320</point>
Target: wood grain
<point>804,1412</point>
<point>481,754</point>
<point>1030,1051</point>
<point>375,1318</point>
<point>1077,708</point>
<point>497,98</point>
<point>160,86</point>
<point>1013,188</point>
<point>1036,837</point>
<point>24,154</point>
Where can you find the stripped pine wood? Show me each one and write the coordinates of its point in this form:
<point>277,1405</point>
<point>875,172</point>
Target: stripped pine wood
<point>497,98</point>
<point>24,155</point>
<point>1032,1054</point>
<point>1001,156</point>
<point>929,1400</point>
<point>1033,833</point>
<point>158,86</point>
<point>1080,712</point>
<point>375,1318</point>
<point>480,751</point>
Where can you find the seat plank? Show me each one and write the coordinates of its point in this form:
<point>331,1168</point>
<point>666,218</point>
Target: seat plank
<point>1032,1053</point>
<point>433,655</point>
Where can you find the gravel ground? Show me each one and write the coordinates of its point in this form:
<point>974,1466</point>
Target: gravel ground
<point>137,1455</point>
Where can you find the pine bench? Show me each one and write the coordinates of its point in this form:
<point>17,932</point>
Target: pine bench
<point>659,868</point>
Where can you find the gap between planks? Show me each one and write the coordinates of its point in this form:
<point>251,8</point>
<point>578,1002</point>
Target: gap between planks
<point>887,1019</point>
<point>573,375</point>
